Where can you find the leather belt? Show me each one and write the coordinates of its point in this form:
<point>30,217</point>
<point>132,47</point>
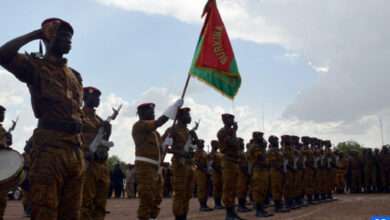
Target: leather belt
<point>60,125</point>
<point>234,156</point>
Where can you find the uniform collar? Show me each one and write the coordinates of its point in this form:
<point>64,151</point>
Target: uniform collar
<point>89,110</point>
<point>55,60</point>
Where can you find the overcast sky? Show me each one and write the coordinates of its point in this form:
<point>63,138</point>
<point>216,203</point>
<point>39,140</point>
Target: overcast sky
<point>318,68</point>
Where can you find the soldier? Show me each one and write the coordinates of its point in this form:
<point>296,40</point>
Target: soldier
<point>25,185</point>
<point>317,171</point>
<point>324,171</point>
<point>277,174</point>
<point>309,169</point>
<point>355,165</point>
<point>182,164</point>
<point>298,166</point>
<point>5,137</point>
<point>148,153</point>
<point>242,178</point>
<point>331,165</point>
<point>369,172</point>
<point>57,166</point>
<point>130,181</point>
<point>378,171</point>
<point>260,181</point>
<point>117,179</point>
<point>202,176</point>
<point>97,176</point>
<point>288,161</point>
<point>342,169</point>
<point>384,164</point>
<point>216,160</point>
<point>228,145</point>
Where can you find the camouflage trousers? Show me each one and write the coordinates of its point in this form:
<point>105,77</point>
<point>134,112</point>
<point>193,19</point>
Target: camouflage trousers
<point>288,192</point>
<point>242,185</point>
<point>56,176</point>
<point>217,185</point>
<point>299,184</point>
<point>229,175</point>
<point>203,185</point>
<point>340,179</point>
<point>385,175</point>
<point>260,182</point>
<point>370,177</point>
<point>150,190</point>
<point>96,187</point>
<point>309,181</point>
<point>183,183</point>
<point>356,180</point>
<point>276,184</point>
<point>3,204</point>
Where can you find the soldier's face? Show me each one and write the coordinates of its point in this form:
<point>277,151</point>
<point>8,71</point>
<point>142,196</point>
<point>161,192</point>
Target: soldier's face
<point>185,118</point>
<point>148,114</point>
<point>2,115</point>
<point>201,144</point>
<point>61,43</point>
<point>229,121</point>
<point>92,100</point>
<point>274,142</point>
<point>214,145</point>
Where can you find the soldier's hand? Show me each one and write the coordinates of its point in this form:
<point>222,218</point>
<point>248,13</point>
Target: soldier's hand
<point>235,126</point>
<point>50,29</point>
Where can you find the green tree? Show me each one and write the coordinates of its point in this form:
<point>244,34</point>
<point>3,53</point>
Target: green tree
<point>114,160</point>
<point>347,146</point>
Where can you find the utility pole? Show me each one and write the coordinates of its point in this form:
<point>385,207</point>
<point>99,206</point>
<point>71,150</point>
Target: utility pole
<point>381,126</point>
<point>262,112</point>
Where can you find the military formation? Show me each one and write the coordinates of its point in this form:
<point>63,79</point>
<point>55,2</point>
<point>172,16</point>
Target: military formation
<point>66,157</point>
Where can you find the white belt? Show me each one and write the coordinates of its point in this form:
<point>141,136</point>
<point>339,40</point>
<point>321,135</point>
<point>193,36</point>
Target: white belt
<point>147,160</point>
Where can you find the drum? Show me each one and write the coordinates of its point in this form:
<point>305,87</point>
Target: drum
<point>12,171</point>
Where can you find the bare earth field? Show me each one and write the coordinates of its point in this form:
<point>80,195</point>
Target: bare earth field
<point>354,206</point>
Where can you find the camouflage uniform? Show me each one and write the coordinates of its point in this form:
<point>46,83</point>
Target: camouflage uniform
<point>242,180</point>
<point>384,163</point>
<point>369,171</point>
<point>183,175</point>
<point>289,181</point>
<point>202,178</point>
<point>276,176</point>
<point>57,161</point>
<point>150,182</point>
<point>309,174</point>
<point>340,174</point>
<point>355,165</point>
<point>216,158</point>
<point>4,196</point>
<point>229,165</point>
<point>97,176</point>
<point>260,179</point>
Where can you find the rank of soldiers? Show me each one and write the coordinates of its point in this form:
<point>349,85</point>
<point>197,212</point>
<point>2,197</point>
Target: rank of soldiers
<point>68,176</point>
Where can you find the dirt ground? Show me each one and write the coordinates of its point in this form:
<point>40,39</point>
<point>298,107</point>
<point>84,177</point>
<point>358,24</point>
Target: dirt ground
<point>354,206</point>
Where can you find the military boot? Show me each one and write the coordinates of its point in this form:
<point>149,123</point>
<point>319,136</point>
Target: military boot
<point>302,200</point>
<point>181,217</point>
<point>316,199</point>
<point>279,207</point>
<point>330,197</point>
<point>323,198</point>
<point>260,211</point>
<point>204,207</point>
<point>310,200</point>
<point>289,205</point>
<point>232,215</point>
<point>242,206</point>
<point>26,211</point>
<point>218,204</point>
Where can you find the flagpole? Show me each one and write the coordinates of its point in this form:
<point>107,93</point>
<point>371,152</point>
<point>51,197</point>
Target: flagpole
<point>174,121</point>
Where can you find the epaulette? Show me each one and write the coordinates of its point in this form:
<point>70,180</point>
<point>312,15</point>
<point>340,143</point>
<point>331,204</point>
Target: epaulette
<point>37,55</point>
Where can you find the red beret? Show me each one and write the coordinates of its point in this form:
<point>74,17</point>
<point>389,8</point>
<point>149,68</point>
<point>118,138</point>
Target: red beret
<point>227,115</point>
<point>185,109</point>
<point>2,109</point>
<point>285,136</point>
<point>146,105</point>
<point>257,132</point>
<point>272,137</point>
<point>295,138</point>
<point>91,90</point>
<point>201,140</point>
<point>63,23</point>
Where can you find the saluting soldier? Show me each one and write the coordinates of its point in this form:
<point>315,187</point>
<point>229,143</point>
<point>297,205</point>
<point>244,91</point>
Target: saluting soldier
<point>148,153</point>
<point>6,138</point>
<point>57,165</point>
<point>97,176</point>
<point>242,178</point>
<point>202,176</point>
<point>228,145</point>
<point>25,185</point>
<point>260,179</point>
<point>182,163</point>
<point>216,161</point>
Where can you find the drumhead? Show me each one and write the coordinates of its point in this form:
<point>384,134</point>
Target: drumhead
<point>10,163</point>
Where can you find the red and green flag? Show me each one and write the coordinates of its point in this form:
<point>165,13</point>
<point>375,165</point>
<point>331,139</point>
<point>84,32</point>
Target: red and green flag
<point>214,62</point>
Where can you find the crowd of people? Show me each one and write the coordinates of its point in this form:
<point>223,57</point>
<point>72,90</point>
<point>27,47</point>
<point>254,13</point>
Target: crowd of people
<point>67,155</point>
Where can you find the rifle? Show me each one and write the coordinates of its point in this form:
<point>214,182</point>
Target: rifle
<point>188,145</point>
<point>98,140</point>
<point>10,130</point>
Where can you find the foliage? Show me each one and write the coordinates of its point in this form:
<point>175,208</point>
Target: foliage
<point>347,146</point>
<point>113,160</point>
